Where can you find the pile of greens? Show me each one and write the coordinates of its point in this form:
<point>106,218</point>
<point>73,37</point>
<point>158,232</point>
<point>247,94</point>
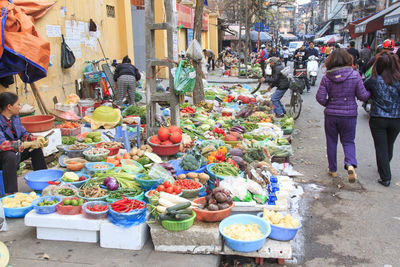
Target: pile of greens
<point>136,111</point>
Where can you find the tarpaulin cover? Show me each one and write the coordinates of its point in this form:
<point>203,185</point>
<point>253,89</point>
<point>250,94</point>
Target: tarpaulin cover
<point>22,50</point>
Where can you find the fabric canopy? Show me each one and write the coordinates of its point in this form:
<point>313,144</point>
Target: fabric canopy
<point>375,22</point>
<point>264,37</point>
<point>392,18</point>
<point>22,50</point>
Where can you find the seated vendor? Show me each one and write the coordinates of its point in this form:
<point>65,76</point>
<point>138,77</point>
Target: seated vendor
<point>16,144</point>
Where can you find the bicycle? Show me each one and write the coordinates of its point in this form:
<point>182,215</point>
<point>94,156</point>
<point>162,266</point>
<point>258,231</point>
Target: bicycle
<point>100,80</point>
<point>296,102</point>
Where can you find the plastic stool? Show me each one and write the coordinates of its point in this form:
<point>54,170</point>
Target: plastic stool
<point>2,191</point>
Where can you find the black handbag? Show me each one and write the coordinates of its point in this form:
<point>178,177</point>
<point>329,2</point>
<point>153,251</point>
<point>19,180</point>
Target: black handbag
<point>67,56</point>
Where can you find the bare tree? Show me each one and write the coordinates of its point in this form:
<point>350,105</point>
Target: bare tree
<point>198,91</point>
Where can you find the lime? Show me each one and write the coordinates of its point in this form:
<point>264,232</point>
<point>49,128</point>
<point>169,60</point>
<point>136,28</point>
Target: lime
<point>41,204</point>
<point>67,202</point>
<point>81,201</point>
<point>74,202</point>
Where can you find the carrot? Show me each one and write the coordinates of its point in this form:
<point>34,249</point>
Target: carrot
<point>118,157</point>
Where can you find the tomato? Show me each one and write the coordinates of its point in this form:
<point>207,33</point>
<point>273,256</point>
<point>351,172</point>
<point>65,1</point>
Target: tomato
<point>160,188</point>
<point>155,140</point>
<point>177,189</point>
<point>175,137</point>
<point>174,128</point>
<point>174,193</point>
<point>165,143</point>
<point>169,190</point>
<point>163,134</point>
<point>151,193</point>
<point>167,184</point>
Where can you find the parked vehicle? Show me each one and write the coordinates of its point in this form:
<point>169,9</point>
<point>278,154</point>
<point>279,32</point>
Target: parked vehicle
<point>293,46</point>
<point>312,69</point>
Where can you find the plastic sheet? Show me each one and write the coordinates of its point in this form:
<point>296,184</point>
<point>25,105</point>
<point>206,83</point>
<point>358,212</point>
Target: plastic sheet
<point>279,150</point>
<point>185,78</point>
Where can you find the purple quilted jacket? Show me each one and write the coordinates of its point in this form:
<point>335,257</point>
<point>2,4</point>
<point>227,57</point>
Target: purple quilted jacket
<point>338,91</point>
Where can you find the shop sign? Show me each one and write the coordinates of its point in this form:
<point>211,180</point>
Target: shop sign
<point>360,28</point>
<point>185,16</point>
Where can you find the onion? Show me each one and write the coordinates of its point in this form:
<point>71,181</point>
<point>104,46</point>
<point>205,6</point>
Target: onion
<point>108,179</point>
<point>112,186</point>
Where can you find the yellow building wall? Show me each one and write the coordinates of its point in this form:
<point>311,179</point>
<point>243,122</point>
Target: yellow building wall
<point>116,39</point>
<point>213,33</point>
<point>182,40</point>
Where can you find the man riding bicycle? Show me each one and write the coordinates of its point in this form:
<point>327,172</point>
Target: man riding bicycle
<point>279,80</point>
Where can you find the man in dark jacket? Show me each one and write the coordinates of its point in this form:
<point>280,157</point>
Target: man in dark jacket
<point>300,56</point>
<point>354,52</point>
<point>277,79</point>
<point>365,56</point>
<point>311,50</point>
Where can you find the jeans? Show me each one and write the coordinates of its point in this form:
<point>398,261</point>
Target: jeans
<point>384,132</point>
<point>345,127</point>
<point>9,165</point>
<point>211,60</point>
<point>276,100</point>
<point>262,64</point>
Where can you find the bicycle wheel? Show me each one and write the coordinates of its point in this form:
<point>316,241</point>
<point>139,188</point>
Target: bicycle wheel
<point>295,105</point>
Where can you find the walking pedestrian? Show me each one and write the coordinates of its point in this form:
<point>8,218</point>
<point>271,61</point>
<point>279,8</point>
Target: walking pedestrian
<point>384,121</point>
<point>262,58</point>
<point>365,56</point>
<point>126,75</point>
<point>285,54</point>
<point>210,58</point>
<point>339,88</point>
<point>354,52</point>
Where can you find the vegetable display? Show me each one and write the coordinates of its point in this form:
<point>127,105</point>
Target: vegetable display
<point>110,145</point>
<point>135,110</point>
<point>73,202</point>
<point>225,169</point>
<point>19,200</point>
<point>68,140</point>
<point>126,205</point>
<point>160,201</point>
<point>243,232</point>
<point>48,202</point>
<point>192,160</point>
<point>117,194</point>
<point>125,180</point>
<point>66,192</point>
<point>169,188</point>
<point>78,146</point>
<point>69,125</point>
<point>278,219</point>
<point>187,184</point>
<point>93,192</point>
<point>97,208</point>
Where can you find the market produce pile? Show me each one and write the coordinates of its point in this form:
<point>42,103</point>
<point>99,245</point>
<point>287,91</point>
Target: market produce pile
<point>223,155</point>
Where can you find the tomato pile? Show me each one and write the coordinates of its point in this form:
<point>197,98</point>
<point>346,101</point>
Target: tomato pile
<point>169,188</point>
<point>69,125</point>
<point>188,184</point>
<point>188,110</point>
<point>167,136</point>
<point>97,208</point>
<point>126,205</point>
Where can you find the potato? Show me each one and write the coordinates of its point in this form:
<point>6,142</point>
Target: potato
<point>149,149</point>
<point>181,176</point>
<point>136,157</point>
<point>203,178</point>
<point>133,151</point>
<point>140,153</point>
<point>192,175</point>
<point>196,180</point>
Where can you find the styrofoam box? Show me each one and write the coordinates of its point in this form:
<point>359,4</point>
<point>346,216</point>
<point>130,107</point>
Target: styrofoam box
<point>133,237</point>
<point>54,141</point>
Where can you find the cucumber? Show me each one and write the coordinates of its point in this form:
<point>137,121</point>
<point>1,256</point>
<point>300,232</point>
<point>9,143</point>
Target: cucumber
<point>179,206</point>
<point>184,211</point>
<point>182,217</point>
<point>167,217</point>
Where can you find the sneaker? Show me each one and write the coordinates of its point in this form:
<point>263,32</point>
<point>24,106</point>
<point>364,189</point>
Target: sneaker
<point>333,174</point>
<point>351,174</point>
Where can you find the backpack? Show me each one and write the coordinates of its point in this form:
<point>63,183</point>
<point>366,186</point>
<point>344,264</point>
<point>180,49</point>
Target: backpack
<point>67,56</point>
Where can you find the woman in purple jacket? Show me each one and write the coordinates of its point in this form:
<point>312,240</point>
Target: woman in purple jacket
<point>337,93</point>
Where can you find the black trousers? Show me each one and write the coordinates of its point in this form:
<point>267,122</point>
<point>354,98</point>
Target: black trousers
<point>10,164</point>
<point>384,132</point>
<point>211,60</point>
<point>262,64</point>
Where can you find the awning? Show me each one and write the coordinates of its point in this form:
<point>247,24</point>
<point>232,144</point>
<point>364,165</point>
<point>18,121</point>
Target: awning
<point>375,22</point>
<point>392,18</point>
<point>323,30</point>
<point>288,36</point>
<point>352,25</point>
<point>232,33</point>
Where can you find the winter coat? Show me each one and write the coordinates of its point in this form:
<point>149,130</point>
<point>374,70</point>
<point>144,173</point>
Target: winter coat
<point>338,91</point>
<point>277,78</point>
<point>126,69</point>
<point>386,98</point>
<point>8,139</point>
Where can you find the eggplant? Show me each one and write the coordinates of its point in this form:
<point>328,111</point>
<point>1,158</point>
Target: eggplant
<point>239,161</point>
<point>236,152</point>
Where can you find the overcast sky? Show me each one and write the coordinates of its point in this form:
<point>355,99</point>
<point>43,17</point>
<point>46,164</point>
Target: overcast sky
<point>300,2</point>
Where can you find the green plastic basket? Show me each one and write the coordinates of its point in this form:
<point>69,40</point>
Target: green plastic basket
<point>179,225</point>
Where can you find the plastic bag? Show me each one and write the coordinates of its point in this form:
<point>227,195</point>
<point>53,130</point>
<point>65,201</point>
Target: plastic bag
<point>279,151</point>
<point>52,190</point>
<point>158,171</point>
<point>3,222</point>
<point>127,219</point>
<point>194,51</point>
<point>185,78</point>
<point>236,185</point>
<point>255,188</point>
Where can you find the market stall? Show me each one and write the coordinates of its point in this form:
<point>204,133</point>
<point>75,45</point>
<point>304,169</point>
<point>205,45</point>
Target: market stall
<point>220,183</point>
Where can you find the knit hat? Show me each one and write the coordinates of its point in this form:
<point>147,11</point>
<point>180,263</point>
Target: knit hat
<point>274,59</point>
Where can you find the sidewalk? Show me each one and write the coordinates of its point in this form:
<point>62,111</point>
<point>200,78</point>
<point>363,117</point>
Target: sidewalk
<point>217,77</point>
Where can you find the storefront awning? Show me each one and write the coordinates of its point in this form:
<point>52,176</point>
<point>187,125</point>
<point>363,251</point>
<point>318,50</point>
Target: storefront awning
<point>375,22</point>
<point>392,18</point>
<point>288,36</point>
<point>323,30</point>
<point>352,25</point>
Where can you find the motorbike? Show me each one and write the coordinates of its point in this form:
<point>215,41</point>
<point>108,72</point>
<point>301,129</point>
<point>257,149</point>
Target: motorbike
<point>300,72</point>
<point>312,69</point>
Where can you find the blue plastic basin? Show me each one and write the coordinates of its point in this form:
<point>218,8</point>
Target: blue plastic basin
<point>281,233</point>
<point>79,183</point>
<point>45,209</point>
<point>38,180</point>
<point>179,170</point>
<point>16,212</point>
<point>245,246</point>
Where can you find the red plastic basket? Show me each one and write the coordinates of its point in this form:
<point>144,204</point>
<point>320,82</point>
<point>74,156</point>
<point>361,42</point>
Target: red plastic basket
<point>38,123</point>
<point>164,150</point>
<point>113,151</point>
<point>69,210</point>
<point>70,132</point>
<point>211,216</point>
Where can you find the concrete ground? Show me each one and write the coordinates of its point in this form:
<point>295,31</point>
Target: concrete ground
<point>343,224</point>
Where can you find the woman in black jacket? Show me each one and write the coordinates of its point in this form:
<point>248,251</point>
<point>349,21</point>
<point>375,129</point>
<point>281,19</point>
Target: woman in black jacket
<point>126,75</point>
